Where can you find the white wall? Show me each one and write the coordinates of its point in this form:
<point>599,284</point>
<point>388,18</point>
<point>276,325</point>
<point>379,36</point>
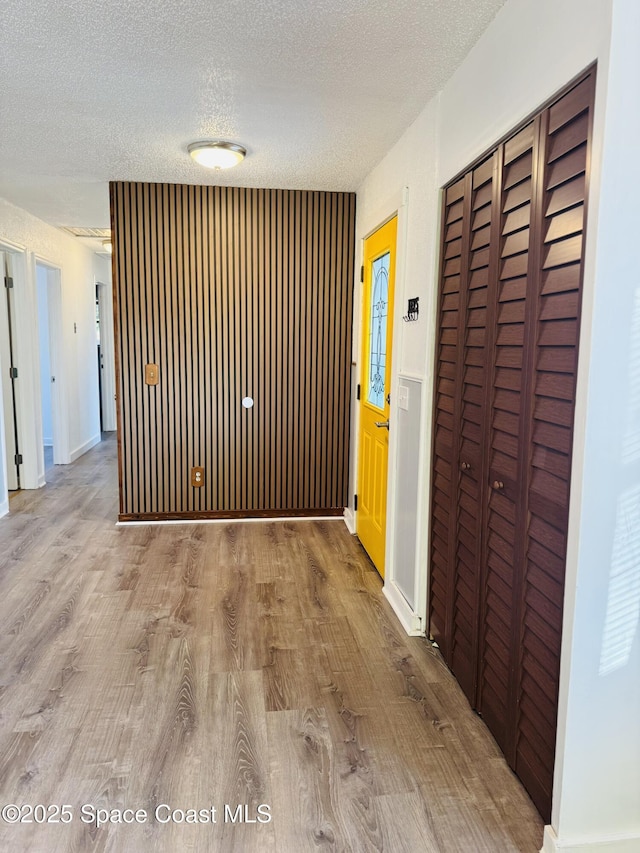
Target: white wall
<point>531,50</point>
<point>411,163</point>
<point>404,182</point>
<point>597,785</point>
<point>31,240</point>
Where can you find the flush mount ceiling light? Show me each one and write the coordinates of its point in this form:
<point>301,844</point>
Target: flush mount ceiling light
<point>217,155</point>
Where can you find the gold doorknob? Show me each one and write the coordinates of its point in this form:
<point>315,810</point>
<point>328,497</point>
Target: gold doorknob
<point>498,484</point>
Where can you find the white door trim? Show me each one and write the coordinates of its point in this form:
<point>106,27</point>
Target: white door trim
<point>8,474</point>
<point>23,416</point>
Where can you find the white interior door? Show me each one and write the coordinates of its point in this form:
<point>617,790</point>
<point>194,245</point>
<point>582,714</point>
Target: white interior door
<point>59,405</point>
<point>8,395</point>
<point>107,353</point>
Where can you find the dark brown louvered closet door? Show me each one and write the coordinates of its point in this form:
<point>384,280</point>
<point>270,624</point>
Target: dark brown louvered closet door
<point>470,209</point>
<point>506,361</point>
<point>476,321</point>
<point>565,133</point>
<point>443,494</point>
<point>506,412</point>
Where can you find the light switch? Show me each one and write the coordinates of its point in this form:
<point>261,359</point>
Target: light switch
<point>151,374</point>
<point>403,397</point>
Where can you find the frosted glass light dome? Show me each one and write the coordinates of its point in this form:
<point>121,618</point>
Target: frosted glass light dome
<point>217,155</point>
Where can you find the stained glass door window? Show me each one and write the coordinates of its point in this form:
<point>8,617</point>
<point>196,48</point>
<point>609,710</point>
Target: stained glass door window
<point>378,331</point>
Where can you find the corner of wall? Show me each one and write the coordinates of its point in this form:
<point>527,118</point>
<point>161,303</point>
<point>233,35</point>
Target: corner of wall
<point>552,844</point>
<point>80,451</point>
<point>410,621</point>
<point>350,520</point>
<point>549,840</point>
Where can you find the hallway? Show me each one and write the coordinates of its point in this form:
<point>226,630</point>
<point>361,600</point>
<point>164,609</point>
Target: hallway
<point>191,666</point>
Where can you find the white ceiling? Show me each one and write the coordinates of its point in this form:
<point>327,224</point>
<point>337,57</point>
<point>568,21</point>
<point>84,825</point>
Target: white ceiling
<point>316,91</point>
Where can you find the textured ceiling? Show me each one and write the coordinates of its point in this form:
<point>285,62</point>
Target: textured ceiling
<point>316,91</point>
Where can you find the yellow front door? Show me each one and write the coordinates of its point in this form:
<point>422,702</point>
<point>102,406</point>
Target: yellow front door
<point>375,389</point>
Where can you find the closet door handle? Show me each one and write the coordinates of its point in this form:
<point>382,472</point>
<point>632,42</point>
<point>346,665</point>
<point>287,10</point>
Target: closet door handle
<point>498,484</point>
<point>465,466</point>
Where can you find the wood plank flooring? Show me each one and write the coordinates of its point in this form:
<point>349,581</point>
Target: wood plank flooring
<point>198,666</point>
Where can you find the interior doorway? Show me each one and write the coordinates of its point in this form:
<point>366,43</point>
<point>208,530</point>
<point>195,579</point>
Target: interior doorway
<point>30,310</point>
<point>100,359</point>
<point>105,356</point>
<point>49,303</point>
<point>47,377</point>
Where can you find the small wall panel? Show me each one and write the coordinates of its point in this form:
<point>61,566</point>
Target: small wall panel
<point>232,293</point>
<point>409,431</point>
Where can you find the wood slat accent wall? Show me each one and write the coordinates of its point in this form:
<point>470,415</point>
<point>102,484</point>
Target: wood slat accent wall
<point>506,361</point>
<point>232,293</point>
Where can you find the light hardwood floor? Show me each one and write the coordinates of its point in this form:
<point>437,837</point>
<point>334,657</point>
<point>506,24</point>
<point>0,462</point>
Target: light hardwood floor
<point>241,664</point>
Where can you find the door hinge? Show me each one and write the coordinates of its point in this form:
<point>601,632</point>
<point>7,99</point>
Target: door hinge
<point>358,391</point>
<point>18,458</point>
<point>355,503</point>
<point>13,372</point>
<point>362,273</point>
<point>8,282</point>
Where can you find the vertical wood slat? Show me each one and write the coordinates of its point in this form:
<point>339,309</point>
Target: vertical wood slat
<point>233,292</point>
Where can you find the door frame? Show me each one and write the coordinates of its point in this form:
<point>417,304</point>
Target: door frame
<point>7,425</point>
<point>23,412</point>
<point>375,246</point>
<point>413,620</point>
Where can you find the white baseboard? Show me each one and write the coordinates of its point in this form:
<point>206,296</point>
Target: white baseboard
<point>553,844</point>
<point>79,451</point>
<point>350,520</point>
<point>411,623</point>
<point>4,508</point>
<point>41,481</point>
